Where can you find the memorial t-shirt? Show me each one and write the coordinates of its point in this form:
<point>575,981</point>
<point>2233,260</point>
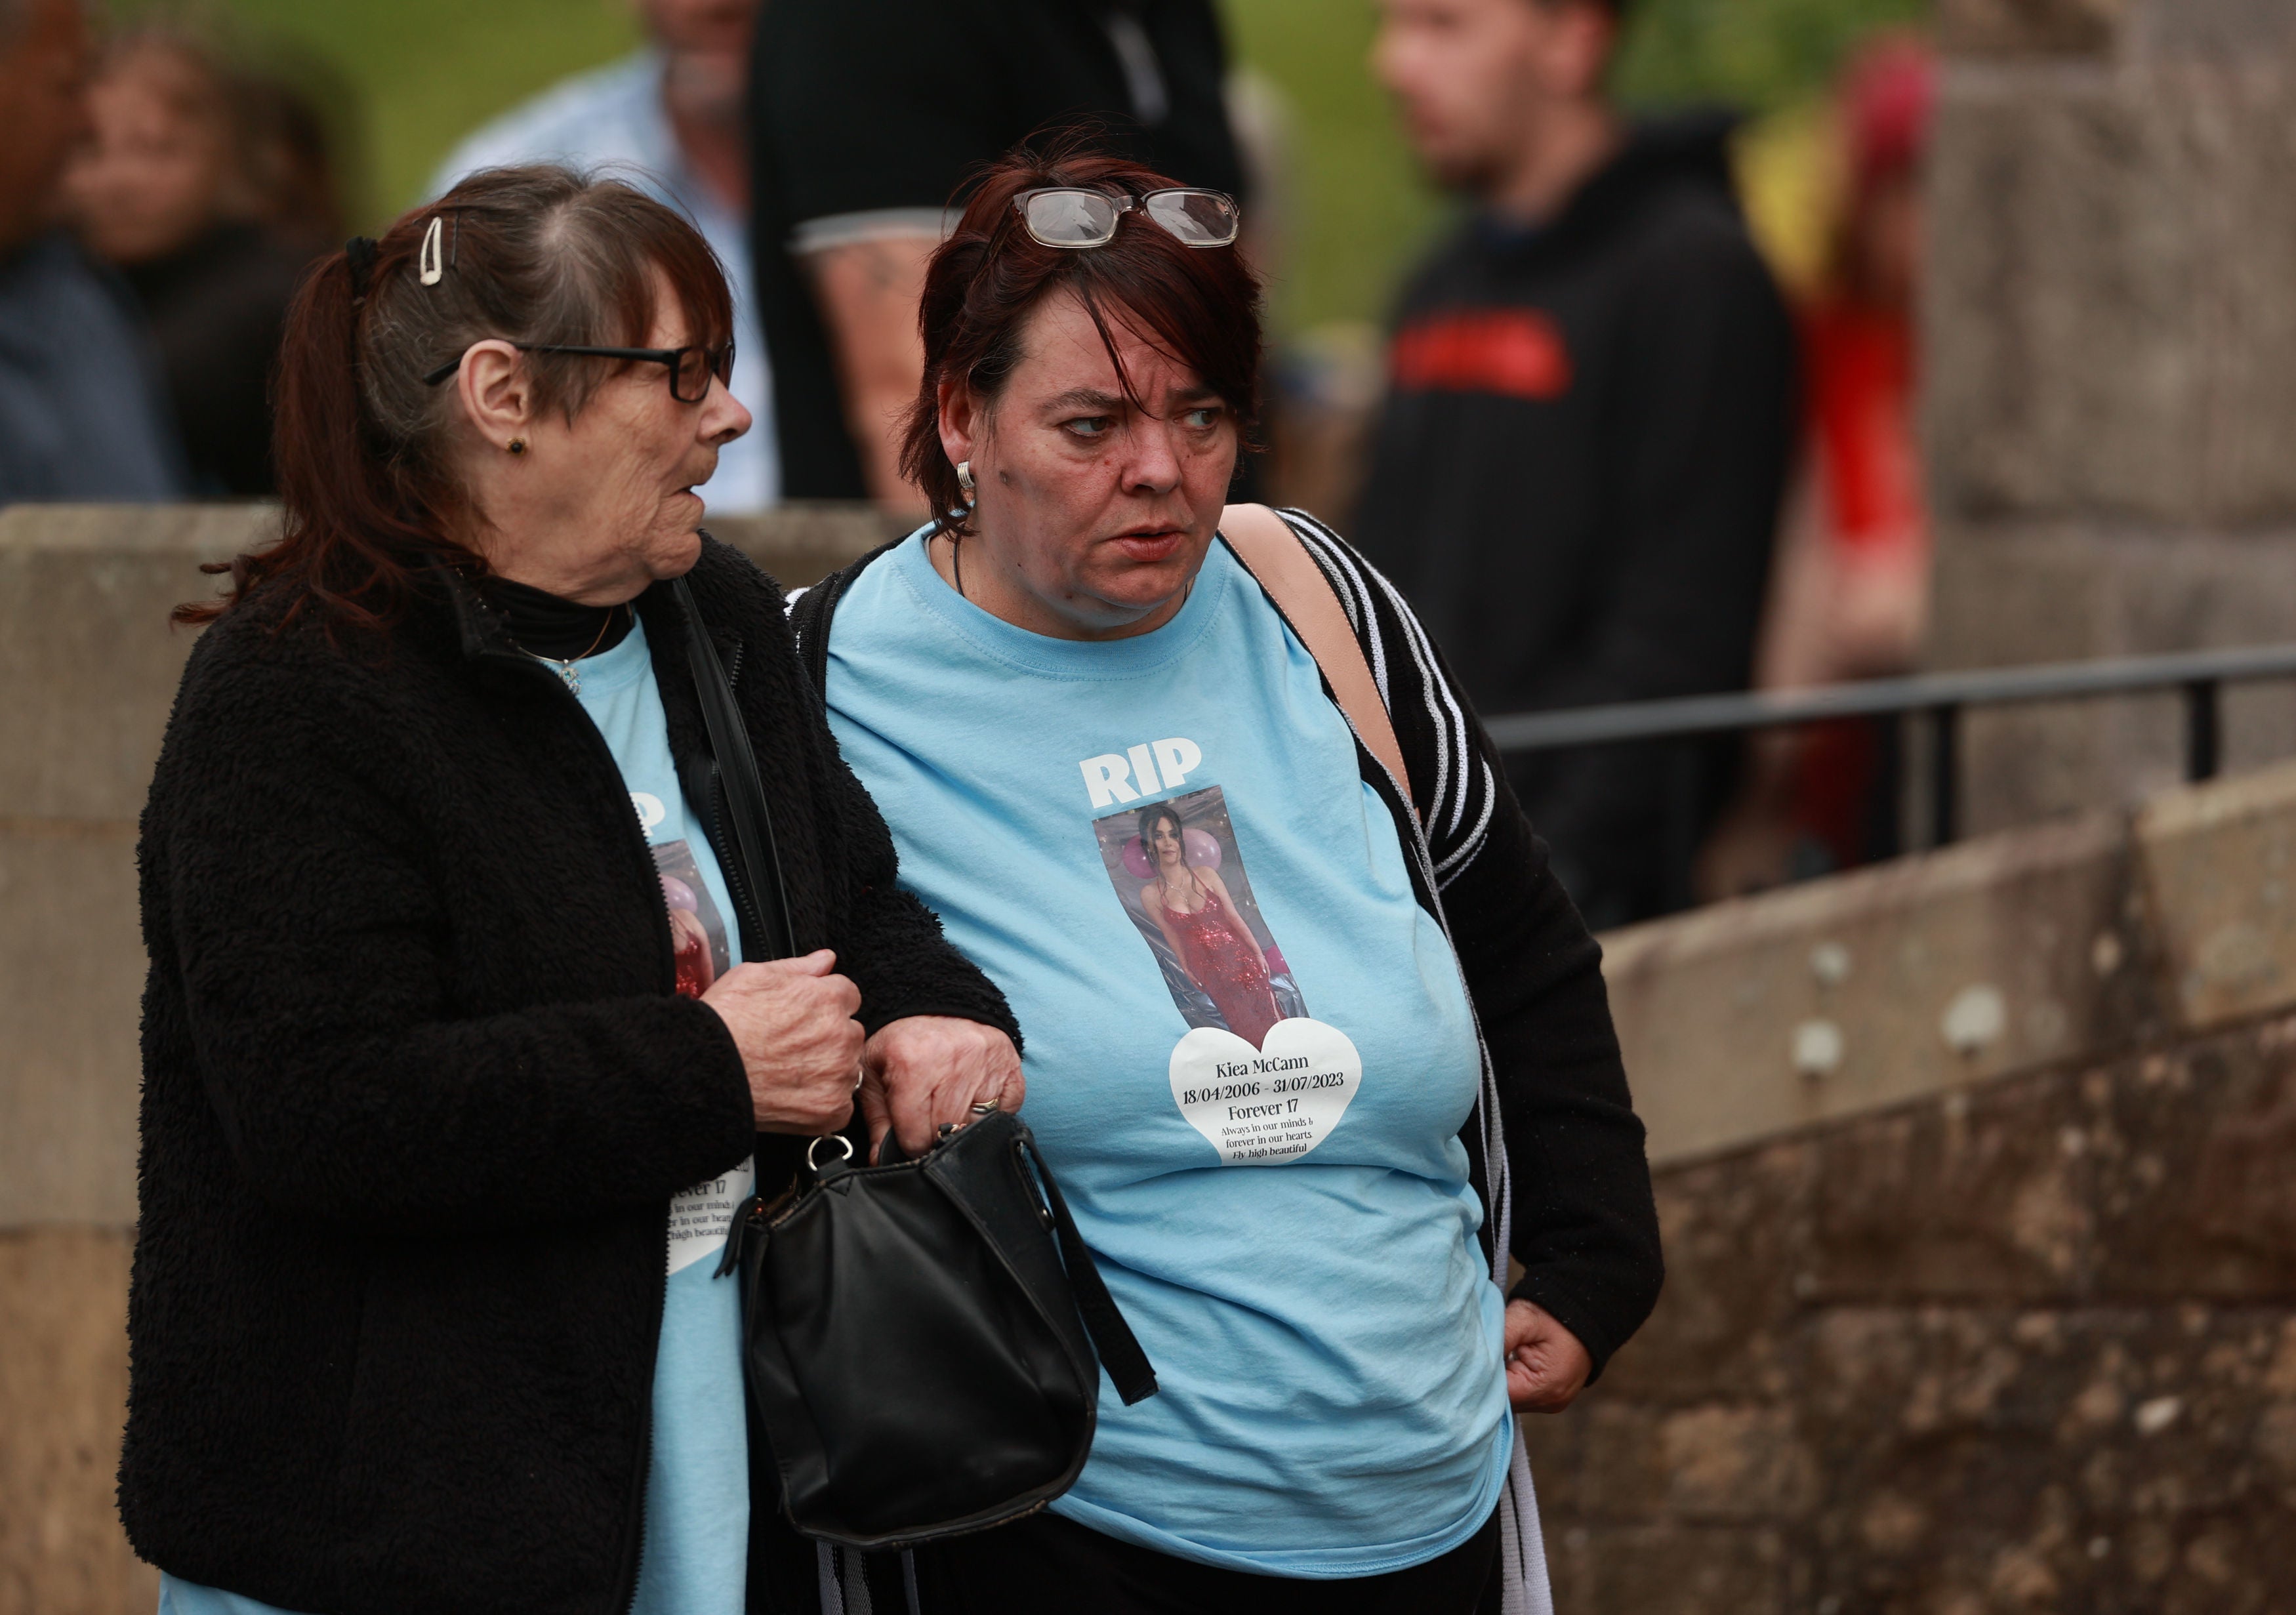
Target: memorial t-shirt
<point>1249,1055</point>
<point>697,1515</point>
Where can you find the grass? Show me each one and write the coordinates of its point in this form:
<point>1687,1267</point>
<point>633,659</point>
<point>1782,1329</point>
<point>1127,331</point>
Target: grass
<point>1359,212</point>
<point>411,77</point>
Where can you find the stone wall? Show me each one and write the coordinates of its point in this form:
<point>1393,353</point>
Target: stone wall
<point>90,666</point>
<point>2110,311</point>
<point>2009,1321</point>
<point>2030,1348</point>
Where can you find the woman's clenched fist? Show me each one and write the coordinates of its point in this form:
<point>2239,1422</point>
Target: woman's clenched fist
<point>792,1019</point>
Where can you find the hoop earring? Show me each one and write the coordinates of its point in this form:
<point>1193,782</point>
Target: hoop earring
<point>518,445</point>
<point>964,480</point>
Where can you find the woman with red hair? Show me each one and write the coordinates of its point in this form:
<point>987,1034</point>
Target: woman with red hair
<point>1308,1220</point>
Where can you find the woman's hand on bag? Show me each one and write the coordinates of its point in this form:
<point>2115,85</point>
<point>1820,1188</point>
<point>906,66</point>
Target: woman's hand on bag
<point>1546,1367</point>
<point>922,1070</point>
<point>792,1019</point>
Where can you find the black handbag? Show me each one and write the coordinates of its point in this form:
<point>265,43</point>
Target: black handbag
<point>919,1339</point>
<point>923,1340</point>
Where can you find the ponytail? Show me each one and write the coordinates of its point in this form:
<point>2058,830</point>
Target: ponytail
<point>357,526</point>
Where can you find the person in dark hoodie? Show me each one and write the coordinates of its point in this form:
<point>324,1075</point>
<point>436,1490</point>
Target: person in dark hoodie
<point>1577,475</point>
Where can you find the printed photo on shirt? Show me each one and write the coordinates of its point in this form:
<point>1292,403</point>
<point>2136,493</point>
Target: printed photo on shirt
<point>1179,872</point>
<point>696,930</point>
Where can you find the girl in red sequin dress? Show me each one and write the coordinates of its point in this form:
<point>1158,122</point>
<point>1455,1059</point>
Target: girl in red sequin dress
<point>1191,906</point>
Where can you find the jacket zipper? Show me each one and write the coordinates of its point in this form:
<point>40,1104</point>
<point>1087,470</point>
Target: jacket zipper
<point>736,877</point>
<point>634,1555</point>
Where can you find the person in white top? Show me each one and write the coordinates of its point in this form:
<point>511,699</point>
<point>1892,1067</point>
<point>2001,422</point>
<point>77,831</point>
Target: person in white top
<point>669,118</point>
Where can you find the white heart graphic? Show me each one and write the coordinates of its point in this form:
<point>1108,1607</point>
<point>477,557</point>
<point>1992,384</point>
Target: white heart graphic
<point>1264,1107</point>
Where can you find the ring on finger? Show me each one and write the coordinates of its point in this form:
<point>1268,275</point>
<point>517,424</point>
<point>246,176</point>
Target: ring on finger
<point>985,1107</point>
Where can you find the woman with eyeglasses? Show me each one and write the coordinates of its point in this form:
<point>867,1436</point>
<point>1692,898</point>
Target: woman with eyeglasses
<point>1309,1223</point>
<point>470,1016</point>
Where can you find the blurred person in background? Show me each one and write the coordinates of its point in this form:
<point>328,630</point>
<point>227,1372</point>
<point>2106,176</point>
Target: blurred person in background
<point>870,114</point>
<point>1852,597</point>
<point>1577,473</point>
<point>80,412</point>
<point>172,190</point>
<point>671,120</point>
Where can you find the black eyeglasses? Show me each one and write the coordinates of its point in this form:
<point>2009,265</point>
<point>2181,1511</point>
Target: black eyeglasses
<point>690,368</point>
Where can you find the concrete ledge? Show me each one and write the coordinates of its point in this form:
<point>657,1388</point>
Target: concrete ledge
<point>63,1394</point>
<point>1821,1001</point>
<point>2071,940</point>
<point>71,982</point>
<point>2220,873</point>
<point>801,542</point>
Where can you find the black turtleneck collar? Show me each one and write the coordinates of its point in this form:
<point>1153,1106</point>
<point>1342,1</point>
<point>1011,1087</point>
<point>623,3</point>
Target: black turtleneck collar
<point>543,624</point>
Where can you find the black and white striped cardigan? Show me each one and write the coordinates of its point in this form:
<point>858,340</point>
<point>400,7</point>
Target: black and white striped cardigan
<point>1554,1146</point>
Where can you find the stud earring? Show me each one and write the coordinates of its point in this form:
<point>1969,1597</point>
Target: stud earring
<point>965,478</point>
<point>518,445</point>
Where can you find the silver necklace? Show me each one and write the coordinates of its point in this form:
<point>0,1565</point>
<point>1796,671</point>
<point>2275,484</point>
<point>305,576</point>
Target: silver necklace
<point>565,667</point>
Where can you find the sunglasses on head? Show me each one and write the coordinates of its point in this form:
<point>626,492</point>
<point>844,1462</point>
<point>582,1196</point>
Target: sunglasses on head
<point>691,369</point>
<point>1064,215</point>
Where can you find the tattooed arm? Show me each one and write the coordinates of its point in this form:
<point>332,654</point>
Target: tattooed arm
<point>868,291</point>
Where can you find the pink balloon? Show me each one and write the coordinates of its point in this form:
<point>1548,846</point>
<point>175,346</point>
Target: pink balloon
<point>1202,852</point>
<point>680,895</point>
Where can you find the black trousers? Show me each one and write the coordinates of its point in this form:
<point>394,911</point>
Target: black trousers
<point>1046,1565</point>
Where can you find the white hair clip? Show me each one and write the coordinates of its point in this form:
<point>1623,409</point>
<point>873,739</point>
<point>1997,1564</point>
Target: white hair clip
<point>431,265</point>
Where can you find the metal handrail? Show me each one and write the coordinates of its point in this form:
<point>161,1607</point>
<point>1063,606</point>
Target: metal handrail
<point>1939,697</point>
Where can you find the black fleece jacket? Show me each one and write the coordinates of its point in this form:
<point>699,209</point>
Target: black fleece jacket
<point>418,1090</point>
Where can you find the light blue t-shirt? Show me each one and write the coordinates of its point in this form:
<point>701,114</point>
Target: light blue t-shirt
<point>613,116</point>
<point>1249,1055</point>
<point>697,1512</point>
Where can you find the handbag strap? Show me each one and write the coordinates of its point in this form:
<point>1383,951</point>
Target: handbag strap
<point>1273,553</point>
<point>1120,1354</point>
<point>737,774</point>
